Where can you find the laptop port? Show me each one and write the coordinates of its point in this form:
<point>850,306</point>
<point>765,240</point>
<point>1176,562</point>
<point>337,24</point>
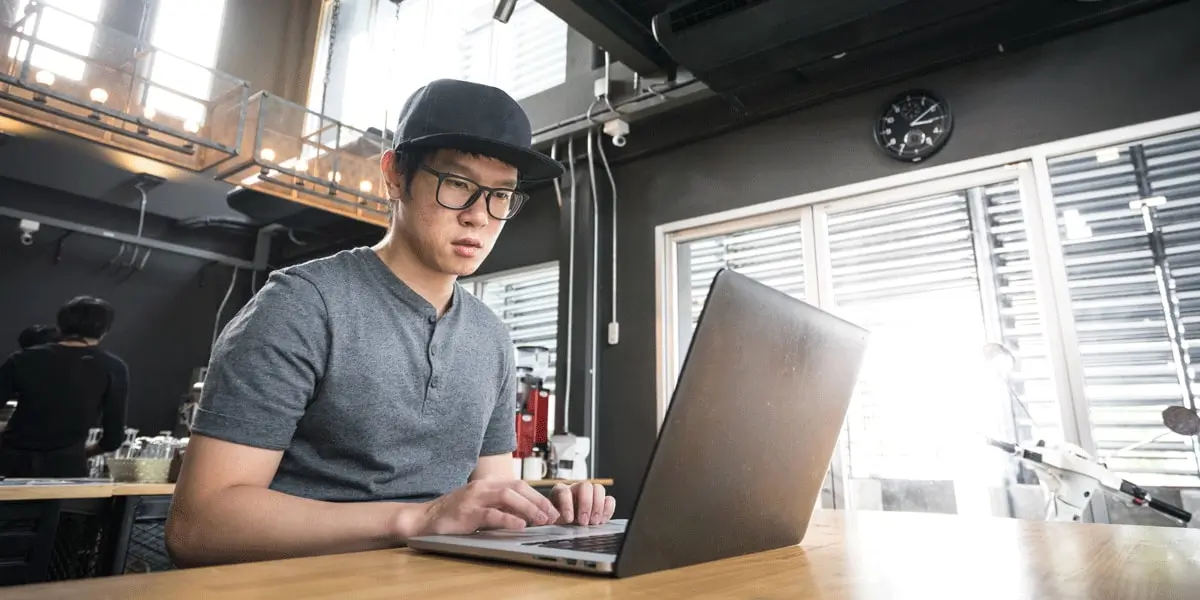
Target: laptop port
<point>589,564</point>
<point>546,558</point>
<point>571,562</point>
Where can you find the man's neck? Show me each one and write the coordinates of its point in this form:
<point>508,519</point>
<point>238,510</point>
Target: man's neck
<point>79,343</point>
<point>436,288</point>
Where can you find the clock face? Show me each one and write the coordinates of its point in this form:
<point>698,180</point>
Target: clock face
<point>913,126</point>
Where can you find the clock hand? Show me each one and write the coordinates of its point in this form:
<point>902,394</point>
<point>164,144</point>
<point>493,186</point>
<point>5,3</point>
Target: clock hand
<point>927,121</point>
<point>922,115</point>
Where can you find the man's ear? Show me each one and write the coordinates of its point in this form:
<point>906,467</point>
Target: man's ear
<point>392,177</point>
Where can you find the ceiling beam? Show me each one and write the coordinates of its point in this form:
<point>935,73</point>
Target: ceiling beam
<point>607,25</point>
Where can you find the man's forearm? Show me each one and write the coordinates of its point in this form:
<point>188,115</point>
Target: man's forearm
<point>244,523</point>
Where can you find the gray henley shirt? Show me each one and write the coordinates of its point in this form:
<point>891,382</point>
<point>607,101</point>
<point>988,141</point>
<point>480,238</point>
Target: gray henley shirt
<point>368,393</point>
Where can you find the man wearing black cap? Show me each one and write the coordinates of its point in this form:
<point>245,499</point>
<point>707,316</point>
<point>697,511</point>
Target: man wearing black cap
<point>364,398</point>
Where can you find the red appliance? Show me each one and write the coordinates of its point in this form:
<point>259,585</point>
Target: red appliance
<point>533,409</point>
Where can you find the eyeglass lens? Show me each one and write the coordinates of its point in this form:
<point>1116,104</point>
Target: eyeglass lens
<point>456,193</point>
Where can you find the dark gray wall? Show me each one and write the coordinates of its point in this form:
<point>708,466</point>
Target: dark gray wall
<point>528,239</point>
<point>1122,74</point>
<point>165,313</point>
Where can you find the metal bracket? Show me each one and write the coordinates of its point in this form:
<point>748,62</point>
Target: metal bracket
<point>126,238</point>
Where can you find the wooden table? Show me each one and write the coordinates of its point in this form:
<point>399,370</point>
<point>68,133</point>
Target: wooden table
<point>83,490</point>
<point>106,490</point>
<point>858,555</point>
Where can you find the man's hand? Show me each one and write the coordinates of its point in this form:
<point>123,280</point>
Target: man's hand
<point>485,504</point>
<point>583,503</point>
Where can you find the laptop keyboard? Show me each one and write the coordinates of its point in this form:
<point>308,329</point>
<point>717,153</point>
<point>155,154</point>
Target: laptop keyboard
<point>601,544</point>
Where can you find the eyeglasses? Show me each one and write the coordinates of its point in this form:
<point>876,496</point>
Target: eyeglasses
<point>459,193</point>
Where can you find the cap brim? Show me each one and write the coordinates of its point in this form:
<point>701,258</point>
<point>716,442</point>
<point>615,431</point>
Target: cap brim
<point>530,164</point>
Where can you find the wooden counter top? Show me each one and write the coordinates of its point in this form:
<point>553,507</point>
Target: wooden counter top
<point>857,555</point>
<point>10,493</point>
<point>105,490</point>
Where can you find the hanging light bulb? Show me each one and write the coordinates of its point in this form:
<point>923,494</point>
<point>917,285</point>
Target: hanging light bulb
<point>267,154</point>
<point>301,166</point>
<point>365,186</point>
<point>98,95</point>
<point>44,78</point>
<point>191,126</point>
<point>150,112</point>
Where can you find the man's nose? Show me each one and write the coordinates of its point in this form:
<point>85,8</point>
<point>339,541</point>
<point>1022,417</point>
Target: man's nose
<point>475,215</point>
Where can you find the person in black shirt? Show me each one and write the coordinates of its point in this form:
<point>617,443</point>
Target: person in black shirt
<point>62,390</point>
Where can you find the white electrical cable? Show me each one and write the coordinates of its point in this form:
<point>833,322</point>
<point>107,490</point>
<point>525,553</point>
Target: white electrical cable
<point>221,309</point>
<point>570,287</point>
<point>595,366</point>
<point>612,183</point>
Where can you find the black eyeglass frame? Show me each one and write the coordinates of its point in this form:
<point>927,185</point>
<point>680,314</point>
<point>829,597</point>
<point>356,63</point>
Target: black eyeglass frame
<point>519,198</point>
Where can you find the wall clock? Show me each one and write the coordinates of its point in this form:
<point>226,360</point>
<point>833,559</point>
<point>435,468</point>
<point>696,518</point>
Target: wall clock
<point>913,126</point>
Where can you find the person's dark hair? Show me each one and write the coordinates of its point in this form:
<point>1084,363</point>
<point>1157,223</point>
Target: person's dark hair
<point>85,317</point>
<point>36,335</point>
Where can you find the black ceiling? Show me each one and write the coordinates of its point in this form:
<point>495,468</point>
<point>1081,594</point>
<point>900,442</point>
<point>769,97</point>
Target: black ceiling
<point>644,10</point>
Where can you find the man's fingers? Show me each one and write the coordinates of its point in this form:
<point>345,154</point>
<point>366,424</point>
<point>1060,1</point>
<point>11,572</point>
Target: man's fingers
<point>538,499</point>
<point>513,502</point>
<point>610,507</point>
<point>583,502</point>
<point>597,517</point>
<point>564,502</point>
<point>494,518</point>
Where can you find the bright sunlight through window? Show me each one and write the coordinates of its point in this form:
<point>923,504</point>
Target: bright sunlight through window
<point>61,34</point>
<point>188,32</point>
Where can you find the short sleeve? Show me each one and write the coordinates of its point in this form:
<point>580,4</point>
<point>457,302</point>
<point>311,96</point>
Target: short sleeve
<point>266,366</point>
<point>501,434</point>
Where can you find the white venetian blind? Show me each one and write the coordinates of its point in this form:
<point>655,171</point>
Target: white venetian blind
<point>527,302</point>
<point>773,255</point>
<point>906,271</point>
<point>1121,316</point>
<point>1019,321</point>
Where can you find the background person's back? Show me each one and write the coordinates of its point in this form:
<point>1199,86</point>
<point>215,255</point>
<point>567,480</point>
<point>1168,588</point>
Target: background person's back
<point>62,392</point>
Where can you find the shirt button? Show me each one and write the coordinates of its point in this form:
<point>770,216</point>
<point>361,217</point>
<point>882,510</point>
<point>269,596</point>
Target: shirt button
<point>432,349</point>
<point>433,381</point>
<point>433,319</point>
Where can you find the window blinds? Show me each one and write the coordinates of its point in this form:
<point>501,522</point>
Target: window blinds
<point>773,255</point>
<point>527,302</point>
<point>906,271</point>
<point>1121,316</point>
<point>1018,322</point>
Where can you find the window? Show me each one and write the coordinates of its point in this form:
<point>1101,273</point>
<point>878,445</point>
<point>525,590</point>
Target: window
<point>189,34</point>
<point>65,30</point>
<point>1129,225</point>
<point>384,51</point>
<point>527,301</point>
<point>773,255</point>
<point>934,272</point>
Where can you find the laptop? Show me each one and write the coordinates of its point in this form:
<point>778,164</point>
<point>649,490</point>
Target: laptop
<point>742,453</point>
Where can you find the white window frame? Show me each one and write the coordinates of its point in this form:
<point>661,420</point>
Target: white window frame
<point>1041,222</point>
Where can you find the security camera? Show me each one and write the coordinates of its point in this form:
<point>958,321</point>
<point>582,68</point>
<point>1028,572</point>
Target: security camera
<point>28,228</point>
<point>618,129</point>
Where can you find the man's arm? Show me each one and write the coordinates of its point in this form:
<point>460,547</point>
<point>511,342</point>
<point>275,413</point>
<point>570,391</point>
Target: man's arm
<point>497,467</point>
<point>8,381</point>
<point>112,417</point>
<point>224,512</point>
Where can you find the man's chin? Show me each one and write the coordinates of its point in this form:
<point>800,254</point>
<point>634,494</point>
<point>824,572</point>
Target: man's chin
<point>463,267</point>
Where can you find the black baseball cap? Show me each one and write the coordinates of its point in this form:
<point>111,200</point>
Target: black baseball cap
<point>472,117</point>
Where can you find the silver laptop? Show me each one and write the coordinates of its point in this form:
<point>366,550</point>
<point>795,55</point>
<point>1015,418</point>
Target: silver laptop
<point>742,453</point>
